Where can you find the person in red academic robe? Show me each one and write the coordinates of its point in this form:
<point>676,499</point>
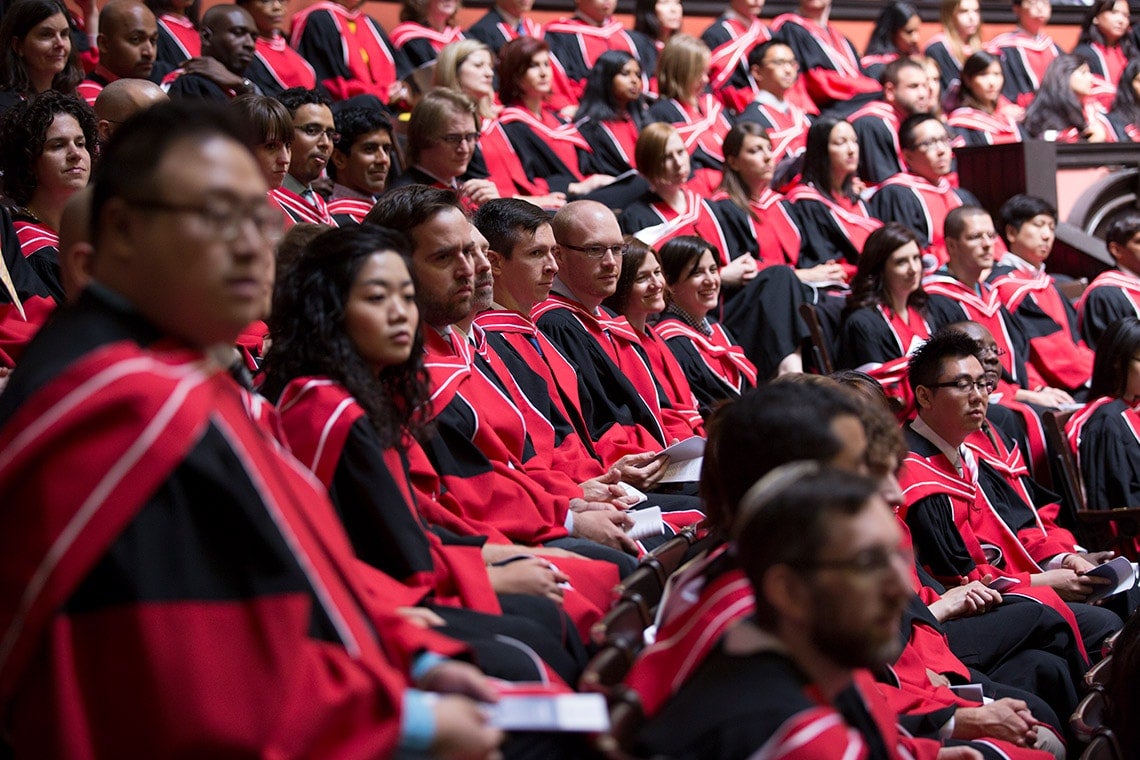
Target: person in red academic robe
<point>425,28</point>
<point>774,71</point>
<point>732,37</point>
<point>1025,52</point>
<point>276,66</point>
<point>1113,294</point>
<point>905,92</point>
<point>1107,45</point>
<point>984,116</point>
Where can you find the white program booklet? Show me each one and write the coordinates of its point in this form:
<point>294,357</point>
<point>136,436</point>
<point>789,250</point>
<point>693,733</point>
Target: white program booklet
<point>685,459</point>
<point>647,523</point>
<point>555,712</point>
<point>1120,571</point>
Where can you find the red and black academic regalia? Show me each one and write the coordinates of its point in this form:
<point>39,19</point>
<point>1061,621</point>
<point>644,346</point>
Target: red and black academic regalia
<point>494,31</point>
<point>877,341</point>
<point>833,229</point>
<point>621,401</point>
<point>952,515</point>
<point>731,38</point>
<point>1094,113</point>
<point>876,125</point>
<point>770,232</point>
<point>1058,358</point>
<point>1105,435</point>
<point>938,48</point>
<point>952,301</point>
<point>575,46</point>
<point>25,301</point>
<point>655,222</point>
<point>612,144</point>
<point>552,152</point>
<point>787,126</point>
<point>665,368</point>
<point>276,67</point>
<point>300,211</point>
<point>280,642</point>
<point>829,65</point>
<point>973,126</point>
<point>182,84</point>
<point>88,90</point>
<point>702,129</point>
<point>348,50</point>
<point>1024,59</point>
<point>714,365</point>
<point>922,206</point>
<point>421,44</point>
<point>178,40</point>
<point>874,64</point>
<point>345,211</point>
<point>762,705</point>
<point>1107,65</point>
<point>40,246</point>
<point>1113,295</point>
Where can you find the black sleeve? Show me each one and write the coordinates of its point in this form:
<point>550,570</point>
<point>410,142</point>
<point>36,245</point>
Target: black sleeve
<point>937,542</point>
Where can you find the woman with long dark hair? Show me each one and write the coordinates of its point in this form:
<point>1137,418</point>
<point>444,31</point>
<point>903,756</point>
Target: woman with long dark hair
<point>713,363</point>
<point>48,145</point>
<point>658,20</point>
<point>833,219</point>
<point>1065,109</point>
<point>37,53</point>
<point>1125,113</point>
<point>346,371</point>
<point>885,318</point>
<point>1103,434</point>
<point>1106,45</point>
<point>612,111</point>
<point>894,35</point>
<point>984,116</point>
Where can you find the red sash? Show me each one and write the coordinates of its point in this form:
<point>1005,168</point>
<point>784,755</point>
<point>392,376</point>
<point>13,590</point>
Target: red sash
<point>984,309</point>
<point>854,221</point>
<point>727,56</point>
<point>563,138</point>
<point>997,127</point>
<point>184,33</point>
<point>723,358</point>
<point>299,210</point>
<point>35,237</point>
<point>1128,284</point>
<point>285,64</point>
<point>412,30</point>
<point>354,208</point>
<point>704,126</point>
<point>363,50</point>
<point>937,200</point>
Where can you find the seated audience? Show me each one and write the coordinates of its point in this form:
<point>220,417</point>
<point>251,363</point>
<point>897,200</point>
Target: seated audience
<point>984,116</point>
<point>350,52</point>
<point>961,37</point>
<point>684,102</point>
<point>885,318</point>
<point>829,64</point>
<point>731,38</point>
<point>128,38</point>
<point>37,53</point>
<point>425,28</point>
<point>276,66</point>
<point>906,92</point>
<point>1106,45</point>
<point>1026,52</point>
<point>228,35</point>
<point>713,363</point>
<point>1064,109</point>
<point>362,161</point>
<point>1057,356</point>
<point>178,39</point>
<point>832,217</point>
<point>923,195</point>
<point>47,158</point>
<point>1114,294</point>
<point>775,71</point>
<point>612,112</point>
<point>309,634</point>
<point>1103,434</point>
<point>895,35</point>
<point>314,133</point>
<point>504,21</point>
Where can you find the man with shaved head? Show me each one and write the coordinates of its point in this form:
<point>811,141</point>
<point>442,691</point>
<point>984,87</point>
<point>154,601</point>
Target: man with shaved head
<point>625,410</point>
<point>122,99</point>
<point>228,36</point>
<point>128,40</point>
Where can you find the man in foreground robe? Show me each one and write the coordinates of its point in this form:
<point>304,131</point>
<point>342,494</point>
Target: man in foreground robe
<point>181,527</point>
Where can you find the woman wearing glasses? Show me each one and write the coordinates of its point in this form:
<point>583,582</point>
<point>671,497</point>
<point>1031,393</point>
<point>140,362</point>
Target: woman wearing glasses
<point>47,158</point>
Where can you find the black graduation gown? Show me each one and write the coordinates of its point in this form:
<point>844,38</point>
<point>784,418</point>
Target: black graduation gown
<point>878,157</point>
<point>1110,457</point>
<point>197,87</point>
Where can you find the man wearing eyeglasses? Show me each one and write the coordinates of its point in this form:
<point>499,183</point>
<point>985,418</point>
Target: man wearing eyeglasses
<point>623,406</point>
<point>966,519</point>
<point>923,195</point>
<point>314,133</point>
<point>173,577</point>
<point>443,134</point>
